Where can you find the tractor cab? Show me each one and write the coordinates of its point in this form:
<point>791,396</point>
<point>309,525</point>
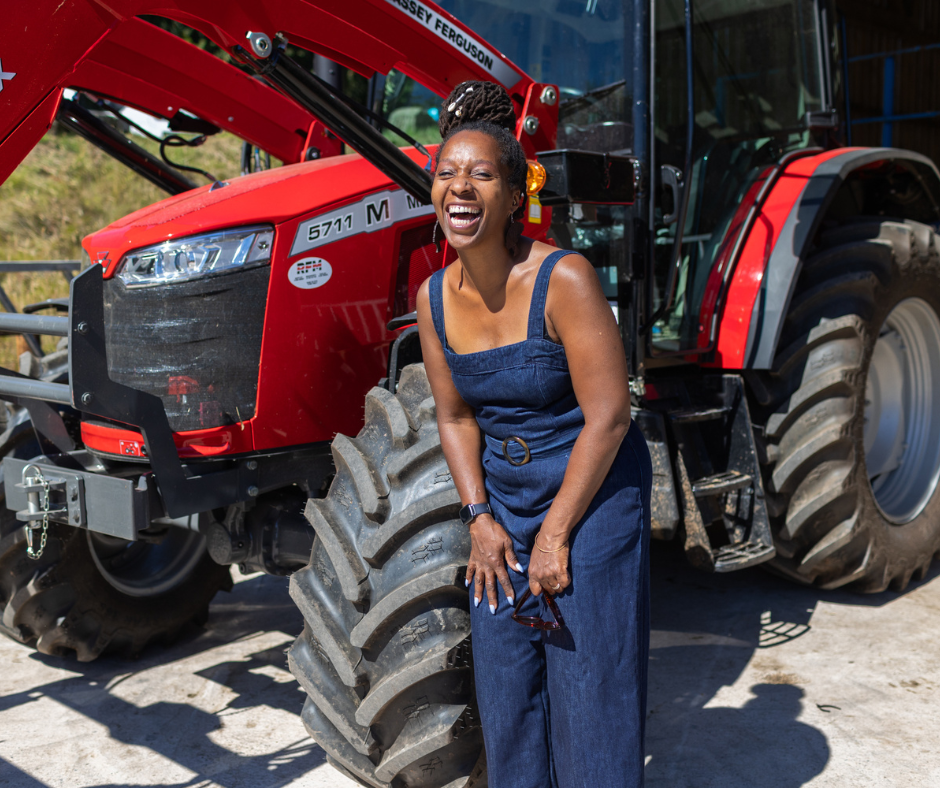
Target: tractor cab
<point>737,90</point>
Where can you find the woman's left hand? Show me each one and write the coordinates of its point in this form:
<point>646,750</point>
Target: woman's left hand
<point>548,571</point>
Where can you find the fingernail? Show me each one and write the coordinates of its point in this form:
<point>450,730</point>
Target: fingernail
<point>493,609</point>
<point>510,600</point>
<point>466,583</point>
<point>519,568</point>
<point>476,602</point>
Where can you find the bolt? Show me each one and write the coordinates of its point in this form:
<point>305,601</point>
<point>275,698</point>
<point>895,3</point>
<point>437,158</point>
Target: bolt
<point>82,328</point>
<point>87,397</point>
<point>260,43</point>
<point>252,465</point>
<point>530,124</point>
<point>549,96</point>
<point>252,491</point>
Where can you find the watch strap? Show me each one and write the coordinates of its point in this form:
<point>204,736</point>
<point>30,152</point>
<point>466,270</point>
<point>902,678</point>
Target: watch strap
<point>472,510</point>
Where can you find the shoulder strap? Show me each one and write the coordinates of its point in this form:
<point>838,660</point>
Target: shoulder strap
<point>436,297</point>
<point>540,294</point>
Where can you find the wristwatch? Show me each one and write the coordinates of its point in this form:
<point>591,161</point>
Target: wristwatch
<point>472,510</point>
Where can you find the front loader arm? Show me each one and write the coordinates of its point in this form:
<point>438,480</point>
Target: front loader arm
<point>141,65</point>
<point>367,36</point>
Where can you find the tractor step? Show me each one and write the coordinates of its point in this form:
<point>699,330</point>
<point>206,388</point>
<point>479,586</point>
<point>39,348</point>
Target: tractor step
<point>698,414</point>
<point>720,483</point>
<point>732,557</point>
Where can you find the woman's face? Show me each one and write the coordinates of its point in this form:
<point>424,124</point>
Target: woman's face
<point>471,192</point>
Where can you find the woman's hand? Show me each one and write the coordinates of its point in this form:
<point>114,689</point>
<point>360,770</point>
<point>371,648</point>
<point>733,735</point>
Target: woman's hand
<point>490,554</point>
<point>548,571</point>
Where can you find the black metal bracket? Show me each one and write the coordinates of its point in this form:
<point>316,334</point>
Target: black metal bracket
<point>100,134</point>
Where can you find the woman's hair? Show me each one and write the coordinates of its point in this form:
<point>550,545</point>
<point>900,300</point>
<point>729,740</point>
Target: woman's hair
<point>486,107</point>
<point>477,101</point>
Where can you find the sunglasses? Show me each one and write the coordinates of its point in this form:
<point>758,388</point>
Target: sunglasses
<point>534,621</point>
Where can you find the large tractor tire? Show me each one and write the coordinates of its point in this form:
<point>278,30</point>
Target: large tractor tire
<point>90,594</point>
<point>852,409</point>
<point>385,652</point>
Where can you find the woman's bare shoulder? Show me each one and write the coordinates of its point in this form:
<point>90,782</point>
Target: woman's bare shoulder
<point>574,289</point>
<point>423,298</point>
<point>574,270</point>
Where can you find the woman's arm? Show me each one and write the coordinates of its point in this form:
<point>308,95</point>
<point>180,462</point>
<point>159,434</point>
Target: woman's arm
<point>491,547</point>
<point>585,325</point>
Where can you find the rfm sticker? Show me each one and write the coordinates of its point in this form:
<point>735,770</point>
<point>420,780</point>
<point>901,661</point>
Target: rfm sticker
<point>309,273</point>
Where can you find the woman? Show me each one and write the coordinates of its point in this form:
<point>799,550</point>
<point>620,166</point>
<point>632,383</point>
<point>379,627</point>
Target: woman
<point>529,376</point>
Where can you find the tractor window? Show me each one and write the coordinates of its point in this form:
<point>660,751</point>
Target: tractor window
<point>411,107</point>
<point>575,44</point>
<point>757,72</point>
<point>578,45</point>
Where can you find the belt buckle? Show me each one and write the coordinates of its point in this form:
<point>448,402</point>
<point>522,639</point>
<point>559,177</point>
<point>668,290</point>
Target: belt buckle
<point>523,444</point>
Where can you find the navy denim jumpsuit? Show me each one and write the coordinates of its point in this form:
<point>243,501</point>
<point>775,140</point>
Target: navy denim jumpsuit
<point>561,709</point>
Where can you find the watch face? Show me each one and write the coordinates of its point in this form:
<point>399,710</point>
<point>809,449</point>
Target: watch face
<point>471,510</point>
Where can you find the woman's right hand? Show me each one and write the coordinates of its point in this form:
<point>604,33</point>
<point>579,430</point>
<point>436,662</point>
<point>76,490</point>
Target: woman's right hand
<point>490,554</point>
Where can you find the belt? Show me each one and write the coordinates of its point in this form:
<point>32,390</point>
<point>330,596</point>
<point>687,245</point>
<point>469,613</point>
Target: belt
<point>519,451</point>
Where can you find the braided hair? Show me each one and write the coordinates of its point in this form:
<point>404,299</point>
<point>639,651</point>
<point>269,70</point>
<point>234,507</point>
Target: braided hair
<point>486,107</point>
<point>477,101</point>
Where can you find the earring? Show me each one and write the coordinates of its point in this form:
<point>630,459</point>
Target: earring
<point>437,244</point>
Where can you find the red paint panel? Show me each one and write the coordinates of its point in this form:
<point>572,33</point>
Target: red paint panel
<point>273,196</point>
<point>717,275</point>
<point>752,263</point>
<point>24,137</point>
<point>325,347</point>
<point>128,442</point>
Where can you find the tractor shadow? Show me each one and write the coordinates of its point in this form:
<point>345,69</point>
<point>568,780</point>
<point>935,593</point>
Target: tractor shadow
<point>222,705</point>
<point>706,629</point>
<point>208,734</point>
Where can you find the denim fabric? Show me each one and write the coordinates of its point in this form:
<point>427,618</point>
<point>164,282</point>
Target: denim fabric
<point>562,709</point>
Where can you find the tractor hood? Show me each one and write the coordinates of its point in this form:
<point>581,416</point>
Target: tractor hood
<point>269,197</point>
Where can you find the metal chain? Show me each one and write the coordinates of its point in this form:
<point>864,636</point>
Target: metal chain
<point>44,502</point>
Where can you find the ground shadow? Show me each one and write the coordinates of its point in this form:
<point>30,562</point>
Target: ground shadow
<point>181,732</point>
<point>706,629</point>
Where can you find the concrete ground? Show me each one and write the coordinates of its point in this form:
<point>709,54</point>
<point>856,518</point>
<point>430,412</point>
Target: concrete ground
<point>754,683</point>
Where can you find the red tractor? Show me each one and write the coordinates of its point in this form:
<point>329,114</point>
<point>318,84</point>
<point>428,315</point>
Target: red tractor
<point>778,295</point>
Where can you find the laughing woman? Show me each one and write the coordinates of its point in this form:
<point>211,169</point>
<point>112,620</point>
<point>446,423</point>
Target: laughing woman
<point>530,379</point>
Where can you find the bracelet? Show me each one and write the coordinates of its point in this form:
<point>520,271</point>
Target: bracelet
<point>557,549</point>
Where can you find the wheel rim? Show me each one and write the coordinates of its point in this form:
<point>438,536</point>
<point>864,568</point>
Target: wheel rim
<point>902,411</point>
<point>147,568</point>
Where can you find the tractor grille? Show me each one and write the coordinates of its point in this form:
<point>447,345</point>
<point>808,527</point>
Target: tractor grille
<point>195,344</point>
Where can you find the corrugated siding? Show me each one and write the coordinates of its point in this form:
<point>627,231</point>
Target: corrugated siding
<point>874,26</point>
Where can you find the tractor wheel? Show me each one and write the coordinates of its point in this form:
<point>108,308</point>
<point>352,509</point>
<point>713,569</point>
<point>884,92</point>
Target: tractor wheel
<point>852,407</point>
<point>91,594</point>
<point>385,652</point>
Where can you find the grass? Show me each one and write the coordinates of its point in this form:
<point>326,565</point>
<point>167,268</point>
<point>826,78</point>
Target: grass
<point>64,190</point>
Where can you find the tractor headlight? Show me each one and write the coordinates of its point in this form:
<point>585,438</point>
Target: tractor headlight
<point>197,255</point>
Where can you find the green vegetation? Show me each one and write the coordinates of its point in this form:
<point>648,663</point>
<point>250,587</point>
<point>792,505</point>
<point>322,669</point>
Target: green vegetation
<point>64,190</point>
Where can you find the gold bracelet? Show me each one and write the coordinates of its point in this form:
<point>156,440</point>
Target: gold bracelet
<point>557,549</point>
